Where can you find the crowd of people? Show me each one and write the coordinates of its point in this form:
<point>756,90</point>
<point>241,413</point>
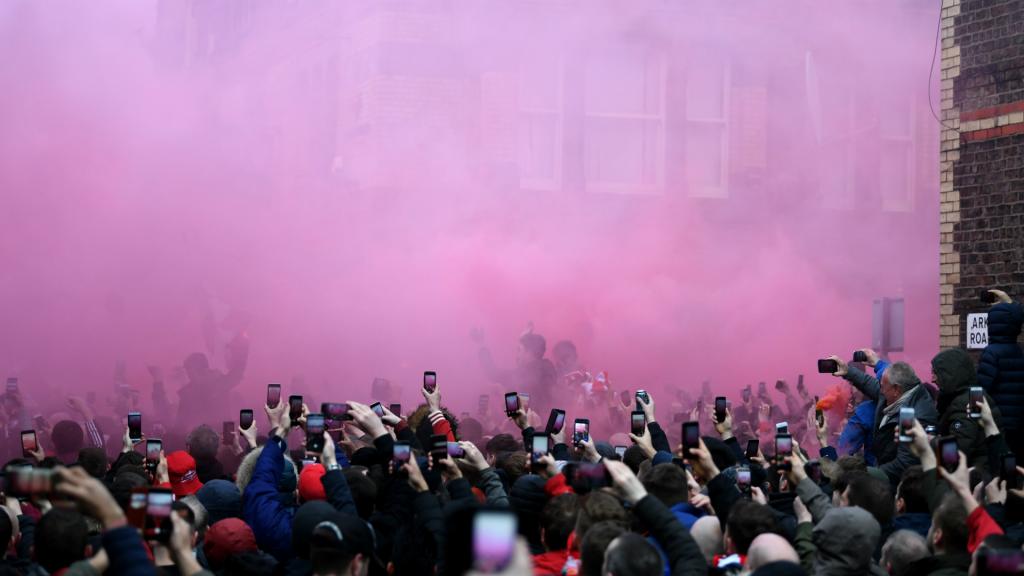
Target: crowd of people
<point>881,474</point>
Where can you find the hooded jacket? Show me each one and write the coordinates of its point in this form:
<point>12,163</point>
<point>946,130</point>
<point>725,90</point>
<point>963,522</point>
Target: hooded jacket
<point>1001,366</point>
<point>845,540</point>
<point>955,376</point>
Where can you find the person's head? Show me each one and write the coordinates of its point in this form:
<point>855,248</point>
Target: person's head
<point>203,443</point>
<point>995,544</point>
<point>952,371</point>
<point>342,545</point>
<point>747,520</point>
<point>221,499</point>
<point>7,533</point>
<point>501,443</point>
<point>227,537</point>
<point>632,555</point>
<point>196,366</point>
<point>768,548</point>
<point>901,549</point>
<point>871,494</point>
<point>897,379</point>
<point>93,461</point>
<point>181,468</point>
<point>594,544</point>
<point>667,483</point>
<point>634,457</point>
<point>846,539</point>
<point>67,437</point>
<point>198,514</point>
<point>364,492</point>
<point>557,520</point>
<point>948,534</point>
<point>707,531</point>
<point>564,355</point>
<point>471,430</point>
<point>287,484</point>
<point>61,539</point>
<point>514,464</point>
<point>531,348</point>
<point>599,507</point>
<point>910,497</point>
<point>311,487</point>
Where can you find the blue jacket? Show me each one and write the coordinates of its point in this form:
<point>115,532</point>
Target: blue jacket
<point>1001,366</point>
<point>859,428</point>
<point>918,522</point>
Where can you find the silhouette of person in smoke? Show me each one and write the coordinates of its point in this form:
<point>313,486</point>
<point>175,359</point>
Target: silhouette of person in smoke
<point>532,374</point>
<point>207,389</point>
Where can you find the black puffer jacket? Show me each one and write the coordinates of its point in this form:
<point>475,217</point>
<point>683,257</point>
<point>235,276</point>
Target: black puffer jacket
<point>1001,367</point>
<point>955,376</point>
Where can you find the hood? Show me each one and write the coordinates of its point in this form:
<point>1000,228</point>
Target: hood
<point>1004,323</point>
<point>846,539</point>
<point>954,371</point>
<point>221,499</point>
<point>306,518</point>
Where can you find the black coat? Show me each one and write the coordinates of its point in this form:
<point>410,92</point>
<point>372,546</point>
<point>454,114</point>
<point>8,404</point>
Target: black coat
<point>955,375</point>
<point>1001,367</point>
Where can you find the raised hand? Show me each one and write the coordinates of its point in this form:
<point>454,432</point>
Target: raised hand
<point>626,484</point>
<point>366,419</point>
<point>843,369</point>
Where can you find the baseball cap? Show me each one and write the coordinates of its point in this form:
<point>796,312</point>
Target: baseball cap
<point>345,533</point>
<point>181,467</point>
<point>227,537</point>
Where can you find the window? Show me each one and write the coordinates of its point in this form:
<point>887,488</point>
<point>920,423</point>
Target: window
<point>896,178</point>
<point>707,128</point>
<point>834,120</point>
<point>624,126</point>
<point>540,122</point>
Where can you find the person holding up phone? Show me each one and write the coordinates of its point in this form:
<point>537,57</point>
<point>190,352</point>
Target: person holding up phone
<point>959,404</point>
<point>1001,367</point>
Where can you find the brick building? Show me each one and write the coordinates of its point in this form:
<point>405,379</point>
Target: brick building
<point>982,157</point>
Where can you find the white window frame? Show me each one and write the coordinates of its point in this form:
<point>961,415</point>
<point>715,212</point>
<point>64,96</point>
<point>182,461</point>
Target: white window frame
<point>909,149</point>
<point>558,113</point>
<point>723,122</point>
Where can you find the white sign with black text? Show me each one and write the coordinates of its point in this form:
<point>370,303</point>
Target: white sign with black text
<point>977,331</point>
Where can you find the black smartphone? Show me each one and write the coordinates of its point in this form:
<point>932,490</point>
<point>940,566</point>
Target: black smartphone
<point>860,356</point>
<point>159,502</point>
<point>153,448</point>
<point>782,428</point>
<point>819,414</point>
<point>620,451</point>
<point>494,540</point>
<point>455,450</point>
<point>227,432</point>
<point>580,430</point>
<point>135,427</point>
<point>400,454</point>
<point>438,447</point>
<point>29,443</point>
<point>245,419</point>
<point>949,458</point>
<point>691,437</point>
<point>637,422</point>
<point>430,381</point>
<point>1008,471</point>
<point>556,420</point>
<point>987,297</point>
<point>828,366</point>
<point>974,397</point>
<point>315,433</point>
<point>752,447</point>
<point>743,479</point>
<point>295,407</point>
<point>378,409</point>
<point>721,404</point>
<point>783,450</point>
<point>395,409</point>
<point>539,447</point>
<point>334,412</point>
<point>511,404</point>
<point>641,399</point>
<point>906,424</point>
<point>273,395</point>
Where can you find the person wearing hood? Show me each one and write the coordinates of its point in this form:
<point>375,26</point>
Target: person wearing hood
<point>1001,368</point>
<point>953,372</point>
<point>841,544</point>
<point>898,388</point>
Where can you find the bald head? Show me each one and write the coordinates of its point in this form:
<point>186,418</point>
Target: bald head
<point>768,548</point>
<point>707,531</point>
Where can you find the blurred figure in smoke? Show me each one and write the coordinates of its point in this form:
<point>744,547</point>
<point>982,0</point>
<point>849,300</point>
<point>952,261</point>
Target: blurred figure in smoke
<point>533,373</point>
<point>207,389</point>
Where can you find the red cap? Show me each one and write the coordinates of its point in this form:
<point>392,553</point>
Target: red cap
<point>310,486</point>
<point>227,537</point>
<point>181,467</point>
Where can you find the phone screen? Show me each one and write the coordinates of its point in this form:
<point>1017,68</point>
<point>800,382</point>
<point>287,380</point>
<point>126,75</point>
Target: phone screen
<point>752,447</point>
<point>28,441</point>
<point>395,409</point>
<point>948,455</point>
<point>136,513</point>
<point>783,445</point>
<point>691,437</point>
<point>974,405</point>
<point>494,540</point>
<point>295,407</point>
<point>159,502</point>
<point>720,406</point>
<point>638,422</point>
<point>580,431</point>
<point>743,477</point>
<point>540,446</point>
<point>455,450</point>
<point>334,411</point>
<point>153,448</point>
<point>273,395</point>
<point>135,426</point>
<point>245,419</point>
<point>400,453</point>
<point>315,432</point>
<point>906,424</point>
<point>828,366</point>
<point>511,403</point>
<point>620,451</point>
<point>429,381</point>
<point>378,409</point>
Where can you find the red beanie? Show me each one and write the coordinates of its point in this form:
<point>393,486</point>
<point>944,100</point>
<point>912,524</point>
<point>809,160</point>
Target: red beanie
<point>310,486</point>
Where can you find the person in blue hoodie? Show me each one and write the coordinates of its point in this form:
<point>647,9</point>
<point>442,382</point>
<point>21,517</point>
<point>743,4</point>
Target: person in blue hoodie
<point>1001,368</point>
<point>857,433</point>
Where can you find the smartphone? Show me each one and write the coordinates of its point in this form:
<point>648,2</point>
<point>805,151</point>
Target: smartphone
<point>556,420</point>
<point>539,447</point>
<point>819,415</point>
<point>813,470</point>
<point>378,409</point>
<point>12,384</point>
<point>620,451</point>
<point>153,448</point>
<point>1008,471</point>
<point>949,458</point>
<point>227,432</point>
<point>637,422</point>
<point>158,513</point>
<point>438,447</point>
<point>828,366</point>
<point>455,450</point>
<point>987,297</point>
<point>494,540</point>
<point>29,443</point>
<point>906,424</point>
<point>511,403</point>
<point>743,478</point>
<point>782,428</point>
<point>752,447</point>
<point>580,430</point>
<point>315,433</point>
<point>135,427</point>
<point>245,419</point>
<point>641,399</point>
<point>998,561</point>
<point>430,381</point>
<point>334,412</point>
<point>295,407</point>
<point>721,405</point>
<point>974,401</point>
<point>524,399</point>
<point>273,395</point>
<point>395,409</point>
<point>860,356</point>
<point>136,512</point>
<point>783,450</point>
<point>400,454</point>
<point>691,437</point>
<point>624,397</point>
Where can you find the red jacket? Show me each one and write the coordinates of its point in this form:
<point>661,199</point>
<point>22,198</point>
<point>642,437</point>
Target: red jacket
<point>440,425</point>
<point>980,525</point>
<point>550,562</point>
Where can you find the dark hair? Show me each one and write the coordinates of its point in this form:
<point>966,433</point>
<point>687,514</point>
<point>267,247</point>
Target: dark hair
<point>203,443</point>
<point>845,466</point>
<point>67,437</point>
<point>872,494</point>
<point>93,461</point>
<point>534,344</point>
<point>513,464</point>
<point>250,563</point>
<point>329,561</point>
<point>594,544</point>
<point>666,482</point>
<point>6,530</point>
<point>471,430</point>
<point>558,520</point>
<point>748,520</point>
<point>364,492</point>
<point>563,347</point>
<point>633,555</point>
<point>502,443</point>
<point>911,490</point>
<point>599,507</point>
<point>634,457</point>
<point>60,539</point>
<point>951,518</point>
